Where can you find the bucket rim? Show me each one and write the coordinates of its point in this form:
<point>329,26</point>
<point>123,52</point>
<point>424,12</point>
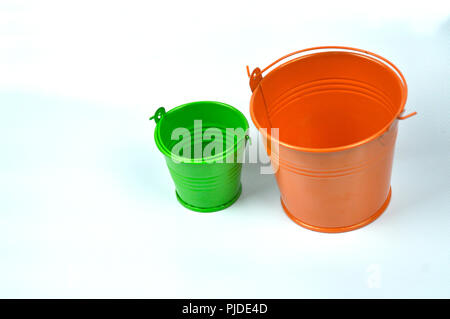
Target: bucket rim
<point>165,151</point>
<point>332,49</point>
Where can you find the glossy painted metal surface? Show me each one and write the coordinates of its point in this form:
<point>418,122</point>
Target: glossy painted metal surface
<point>337,110</point>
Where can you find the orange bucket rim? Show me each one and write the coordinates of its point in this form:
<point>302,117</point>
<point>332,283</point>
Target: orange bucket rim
<point>404,88</point>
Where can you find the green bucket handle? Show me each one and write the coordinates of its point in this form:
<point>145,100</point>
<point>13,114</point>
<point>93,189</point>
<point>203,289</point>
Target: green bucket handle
<point>158,114</point>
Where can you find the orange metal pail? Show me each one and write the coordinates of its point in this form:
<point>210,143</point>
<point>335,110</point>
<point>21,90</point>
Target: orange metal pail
<point>337,112</point>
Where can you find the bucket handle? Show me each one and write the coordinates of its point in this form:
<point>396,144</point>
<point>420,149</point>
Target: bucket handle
<point>158,114</point>
<point>406,116</point>
<point>256,76</point>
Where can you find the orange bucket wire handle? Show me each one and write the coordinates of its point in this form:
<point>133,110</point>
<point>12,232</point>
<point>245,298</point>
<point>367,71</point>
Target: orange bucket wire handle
<point>406,116</point>
<point>257,74</point>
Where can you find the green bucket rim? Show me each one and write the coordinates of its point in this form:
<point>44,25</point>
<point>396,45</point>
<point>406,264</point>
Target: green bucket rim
<point>165,151</point>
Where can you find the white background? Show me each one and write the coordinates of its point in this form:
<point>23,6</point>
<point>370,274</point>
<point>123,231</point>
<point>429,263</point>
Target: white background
<point>87,206</point>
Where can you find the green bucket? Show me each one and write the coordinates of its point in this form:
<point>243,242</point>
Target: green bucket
<point>203,144</point>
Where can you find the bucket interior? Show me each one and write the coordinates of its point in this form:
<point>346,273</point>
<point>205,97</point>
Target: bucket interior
<point>328,99</point>
<point>220,124</point>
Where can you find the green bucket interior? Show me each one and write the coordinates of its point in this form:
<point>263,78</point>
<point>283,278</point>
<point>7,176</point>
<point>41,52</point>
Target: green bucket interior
<point>216,119</point>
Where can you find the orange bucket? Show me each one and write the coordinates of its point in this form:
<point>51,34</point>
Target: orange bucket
<point>337,110</point>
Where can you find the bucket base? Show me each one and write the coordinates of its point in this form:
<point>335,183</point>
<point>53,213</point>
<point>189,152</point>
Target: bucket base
<point>210,209</point>
<point>340,229</point>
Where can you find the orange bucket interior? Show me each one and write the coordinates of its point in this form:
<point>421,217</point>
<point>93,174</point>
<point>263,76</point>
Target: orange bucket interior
<point>328,100</point>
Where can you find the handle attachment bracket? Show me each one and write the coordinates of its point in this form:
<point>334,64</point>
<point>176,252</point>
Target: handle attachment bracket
<point>158,114</point>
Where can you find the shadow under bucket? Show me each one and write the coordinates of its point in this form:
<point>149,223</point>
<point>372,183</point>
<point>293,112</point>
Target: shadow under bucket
<point>337,111</point>
<point>203,144</point>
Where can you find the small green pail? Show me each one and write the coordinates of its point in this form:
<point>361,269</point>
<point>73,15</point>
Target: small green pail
<point>203,144</point>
